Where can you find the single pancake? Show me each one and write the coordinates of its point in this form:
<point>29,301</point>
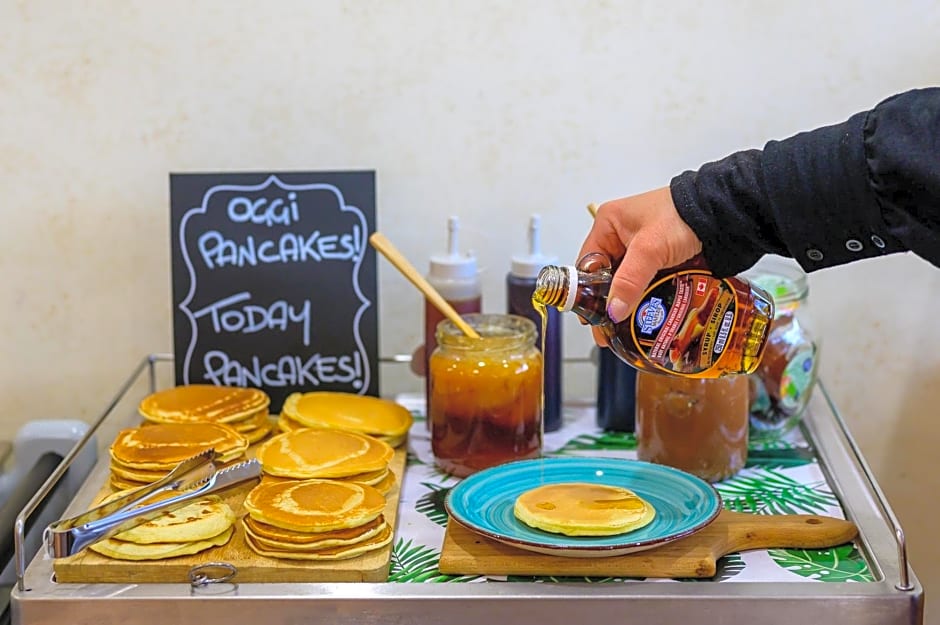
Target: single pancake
<point>121,550</point>
<point>202,519</point>
<point>309,453</point>
<point>314,505</point>
<point>349,412</point>
<point>583,509</point>
<point>163,446</point>
<point>203,402</point>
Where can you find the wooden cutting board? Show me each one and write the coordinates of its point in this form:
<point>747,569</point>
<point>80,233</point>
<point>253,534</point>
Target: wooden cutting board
<point>468,553</point>
<point>90,567</point>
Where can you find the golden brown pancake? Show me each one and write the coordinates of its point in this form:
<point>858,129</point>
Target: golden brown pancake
<point>165,445</point>
<point>202,519</point>
<point>314,505</point>
<point>271,536</point>
<point>203,402</point>
<point>286,424</point>
<point>121,550</point>
<point>262,419</point>
<point>310,453</point>
<point>349,412</point>
<point>342,552</point>
<point>371,478</point>
<point>384,485</point>
<point>118,483</point>
<point>139,476</point>
<point>257,435</point>
<point>583,509</point>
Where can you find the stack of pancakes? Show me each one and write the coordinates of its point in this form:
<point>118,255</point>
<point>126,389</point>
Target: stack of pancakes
<point>315,520</point>
<point>206,522</point>
<point>373,416</point>
<point>146,454</point>
<point>583,509</point>
<point>243,409</point>
<point>327,454</point>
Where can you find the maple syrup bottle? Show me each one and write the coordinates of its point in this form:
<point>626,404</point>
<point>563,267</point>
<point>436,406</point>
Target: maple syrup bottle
<point>689,323</point>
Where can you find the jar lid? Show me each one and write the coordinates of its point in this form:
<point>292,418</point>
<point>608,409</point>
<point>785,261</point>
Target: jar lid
<point>781,277</point>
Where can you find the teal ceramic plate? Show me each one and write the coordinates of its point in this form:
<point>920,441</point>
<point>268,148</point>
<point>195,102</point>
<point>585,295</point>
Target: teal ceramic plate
<point>484,501</point>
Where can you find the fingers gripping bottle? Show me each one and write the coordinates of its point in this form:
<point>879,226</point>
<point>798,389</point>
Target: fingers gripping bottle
<point>688,323</point>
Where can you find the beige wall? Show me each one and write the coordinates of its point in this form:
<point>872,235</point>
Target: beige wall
<point>488,110</point>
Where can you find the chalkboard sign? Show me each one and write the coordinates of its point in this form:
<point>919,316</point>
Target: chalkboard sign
<point>274,282</point>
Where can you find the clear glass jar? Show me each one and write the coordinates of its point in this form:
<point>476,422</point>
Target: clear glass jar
<point>784,381</point>
<point>694,424</point>
<point>485,399</point>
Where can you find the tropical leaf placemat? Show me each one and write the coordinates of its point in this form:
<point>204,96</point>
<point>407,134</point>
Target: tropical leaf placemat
<point>782,476</point>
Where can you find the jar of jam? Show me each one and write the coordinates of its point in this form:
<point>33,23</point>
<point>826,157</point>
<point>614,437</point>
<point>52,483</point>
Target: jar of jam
<point>782,384</point>
<point>485,399</point>
<point>694,424</point>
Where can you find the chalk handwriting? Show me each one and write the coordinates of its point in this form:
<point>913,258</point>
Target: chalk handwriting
<point>262,212</point>
<point>227,316</point>
<point>289,370</point>
<point>218,251</point>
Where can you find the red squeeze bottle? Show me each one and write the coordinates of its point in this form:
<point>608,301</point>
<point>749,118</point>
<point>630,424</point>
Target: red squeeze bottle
<point>456,277</point>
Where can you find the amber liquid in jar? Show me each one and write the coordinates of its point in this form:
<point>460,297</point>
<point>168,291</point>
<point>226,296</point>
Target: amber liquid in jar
<point>485,397</point>
<point>697,425</point>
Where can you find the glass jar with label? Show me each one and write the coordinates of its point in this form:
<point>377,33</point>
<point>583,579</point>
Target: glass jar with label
<point>485,399</point>
<point>694,424</point>
<point>784,381</point>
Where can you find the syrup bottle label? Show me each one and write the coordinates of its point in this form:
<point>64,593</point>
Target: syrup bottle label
<point>683,321</point>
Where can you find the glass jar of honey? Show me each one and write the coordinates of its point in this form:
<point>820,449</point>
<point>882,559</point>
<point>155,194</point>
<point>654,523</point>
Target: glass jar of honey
<point>782,385</point>
<point>694,424</point>
<point>485,399</point>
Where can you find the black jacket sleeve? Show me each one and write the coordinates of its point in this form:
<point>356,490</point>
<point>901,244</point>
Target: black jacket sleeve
<point>867,187</point>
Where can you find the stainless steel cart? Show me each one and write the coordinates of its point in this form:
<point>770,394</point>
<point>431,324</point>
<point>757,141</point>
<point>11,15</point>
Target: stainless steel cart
<point>894,596</point>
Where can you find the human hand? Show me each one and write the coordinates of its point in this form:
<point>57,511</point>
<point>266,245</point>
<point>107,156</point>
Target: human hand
<point>644,234</point>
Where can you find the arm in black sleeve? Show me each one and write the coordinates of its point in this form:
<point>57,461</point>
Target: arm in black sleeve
<point>867,187</point>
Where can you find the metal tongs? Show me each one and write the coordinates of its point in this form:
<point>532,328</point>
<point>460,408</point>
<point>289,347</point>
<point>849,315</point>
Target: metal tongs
<point>191,479</point>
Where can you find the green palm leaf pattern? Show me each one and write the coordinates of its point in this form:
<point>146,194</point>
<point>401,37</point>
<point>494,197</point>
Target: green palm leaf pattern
<point>779,458</point>
<point>768,439</point>
<point>727,567</point>
<point>839,564</point>
<point>431,504</point>
<point>413,460</point>
<point>609,441</point>
<point>768,491</point>
<point>418,563</point>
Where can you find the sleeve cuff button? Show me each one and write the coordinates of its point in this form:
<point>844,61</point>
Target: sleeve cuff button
<point>878,241</point>
<point>853,245</point>
<point>814,255</point>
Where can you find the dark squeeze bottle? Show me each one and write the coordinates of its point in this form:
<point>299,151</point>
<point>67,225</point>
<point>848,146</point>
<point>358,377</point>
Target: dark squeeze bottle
<point>616,393</point>
<point>520,285</point>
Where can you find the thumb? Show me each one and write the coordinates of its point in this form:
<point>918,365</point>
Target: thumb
<point>636,271</point>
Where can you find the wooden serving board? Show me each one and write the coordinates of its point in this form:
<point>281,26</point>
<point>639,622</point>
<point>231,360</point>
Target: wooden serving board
<point>468,553</point>
<point>91,567</point>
